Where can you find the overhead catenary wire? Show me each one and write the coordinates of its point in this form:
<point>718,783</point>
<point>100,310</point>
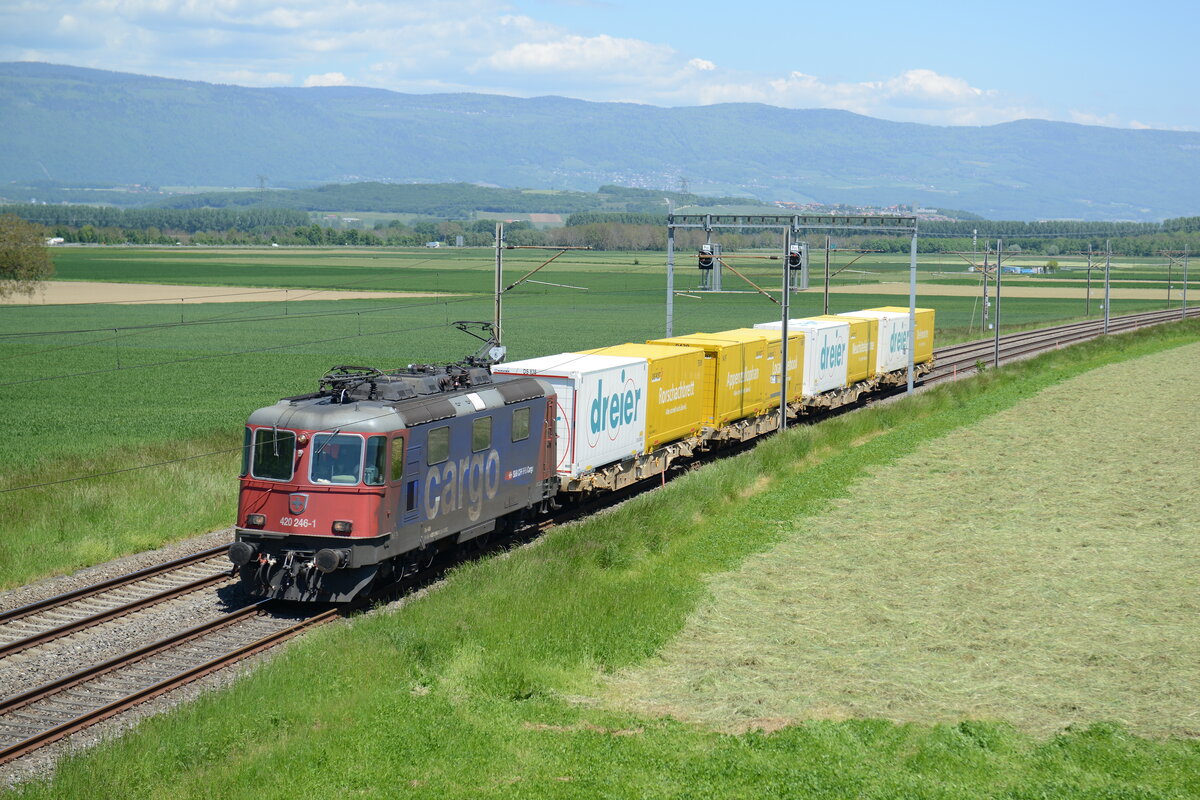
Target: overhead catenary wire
<point>119,337</point>
<point>223,451</point>
<point>165,463</point>
<point>252,351</point>
<point>211,356</point>
<point>307,292</point>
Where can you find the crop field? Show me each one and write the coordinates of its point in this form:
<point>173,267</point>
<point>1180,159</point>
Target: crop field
<point>100,387</point>
<point>638,276</point>
<point>1035,568</point>
<point>498,683</point>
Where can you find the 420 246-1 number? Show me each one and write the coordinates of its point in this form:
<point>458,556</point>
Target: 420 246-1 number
<point>297,522</point>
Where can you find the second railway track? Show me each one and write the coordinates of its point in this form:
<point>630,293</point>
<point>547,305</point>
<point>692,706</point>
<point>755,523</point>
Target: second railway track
<point>46,620</point>
<point>56,709</point>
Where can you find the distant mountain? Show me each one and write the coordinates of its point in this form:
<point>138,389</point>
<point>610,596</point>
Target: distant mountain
<point>74,125</point>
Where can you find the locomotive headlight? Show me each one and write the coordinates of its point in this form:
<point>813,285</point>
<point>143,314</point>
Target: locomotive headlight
<point>256,520</point>
<point>342,526</point>
<point>302,440</point>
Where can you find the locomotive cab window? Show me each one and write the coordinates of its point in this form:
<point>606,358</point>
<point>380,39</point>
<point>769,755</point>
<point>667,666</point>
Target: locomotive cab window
<point>397,458</point>
<point>247,440</point>
<point>274,454</point>
<point>481,434</point>
<point>520,426</point>
<point>375,465</point>
<point>336,458</point>
<point>439,445</point>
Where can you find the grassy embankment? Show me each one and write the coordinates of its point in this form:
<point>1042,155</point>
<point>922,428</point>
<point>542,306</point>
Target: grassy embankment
<point>491,683</point>
<point>154,383</point>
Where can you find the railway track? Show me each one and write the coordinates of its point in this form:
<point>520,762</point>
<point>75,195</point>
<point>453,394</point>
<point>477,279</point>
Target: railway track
<point>56,709</point>
<point>46,620</point>
<point>964,358</point>
<point>61,707</point>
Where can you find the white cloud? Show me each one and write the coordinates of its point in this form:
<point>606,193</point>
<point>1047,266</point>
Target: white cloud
<point>582,54</point>
<point>702,64</point>
<point>1110,121</point>
<point>927,86</point>
<point>916,95</point>
<point>328,79</point>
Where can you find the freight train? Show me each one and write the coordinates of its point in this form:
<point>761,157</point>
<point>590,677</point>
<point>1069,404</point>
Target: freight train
<point>371,476</point>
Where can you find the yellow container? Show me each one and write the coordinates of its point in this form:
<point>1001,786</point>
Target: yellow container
<point>675,399</point>
<point>923,350</point>
<point>860,358</point>
<point>733,367</point>
<point>795,374</point>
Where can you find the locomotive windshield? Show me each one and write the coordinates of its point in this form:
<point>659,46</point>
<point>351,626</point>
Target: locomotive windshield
<point>337,458</point>
<point>273,454</point>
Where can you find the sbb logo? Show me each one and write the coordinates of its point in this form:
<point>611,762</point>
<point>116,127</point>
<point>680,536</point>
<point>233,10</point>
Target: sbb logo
<point>833,355</point>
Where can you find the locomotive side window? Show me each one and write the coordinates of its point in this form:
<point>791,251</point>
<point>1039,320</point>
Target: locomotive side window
<point>481,434</point>
<point>439,445</point>
<point>274,454</point>
<point>375,466</point>
<point>397,458</point>
<point>246,441</point>
<point>336,458</point>
<point>520,426</point>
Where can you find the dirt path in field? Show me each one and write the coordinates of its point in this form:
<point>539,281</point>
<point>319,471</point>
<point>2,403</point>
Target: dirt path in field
<point>83,292</point>
<point>1007,290</point>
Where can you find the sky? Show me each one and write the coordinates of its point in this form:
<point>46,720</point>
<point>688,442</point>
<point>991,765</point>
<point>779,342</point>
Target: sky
<point>1118,64</point>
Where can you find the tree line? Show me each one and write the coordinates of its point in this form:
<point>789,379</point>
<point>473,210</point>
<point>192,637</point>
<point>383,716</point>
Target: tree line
<point>140,219</point>
<point>600,231</point>
<point>449,200</point>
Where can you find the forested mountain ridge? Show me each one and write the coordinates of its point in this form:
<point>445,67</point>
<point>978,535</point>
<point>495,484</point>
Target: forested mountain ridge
<point>70,124</point>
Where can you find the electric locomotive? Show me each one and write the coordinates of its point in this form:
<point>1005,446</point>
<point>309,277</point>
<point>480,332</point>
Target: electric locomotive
<point>373,474</point>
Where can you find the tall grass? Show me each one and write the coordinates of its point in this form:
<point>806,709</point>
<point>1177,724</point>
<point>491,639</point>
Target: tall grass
<point>488,685</point>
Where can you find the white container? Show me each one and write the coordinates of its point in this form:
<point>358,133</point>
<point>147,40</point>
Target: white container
<point>826,346</point>
<point>601,415</point>
<point>891,351</point>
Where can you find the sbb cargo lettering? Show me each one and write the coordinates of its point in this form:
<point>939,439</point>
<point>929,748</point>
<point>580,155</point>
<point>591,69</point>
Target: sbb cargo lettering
<point>466,481</point>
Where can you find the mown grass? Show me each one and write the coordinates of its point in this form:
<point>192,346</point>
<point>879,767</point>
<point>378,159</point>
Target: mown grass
<point>1035,567</point>
<point>95,388</point>
<point>489,684</point>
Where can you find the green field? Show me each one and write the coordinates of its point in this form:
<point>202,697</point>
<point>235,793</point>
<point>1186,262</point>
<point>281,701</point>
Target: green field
<point>95,388</point>
<point>493,684</point>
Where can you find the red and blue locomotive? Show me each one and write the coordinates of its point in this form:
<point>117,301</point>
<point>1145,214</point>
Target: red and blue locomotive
<point>349,487</point>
